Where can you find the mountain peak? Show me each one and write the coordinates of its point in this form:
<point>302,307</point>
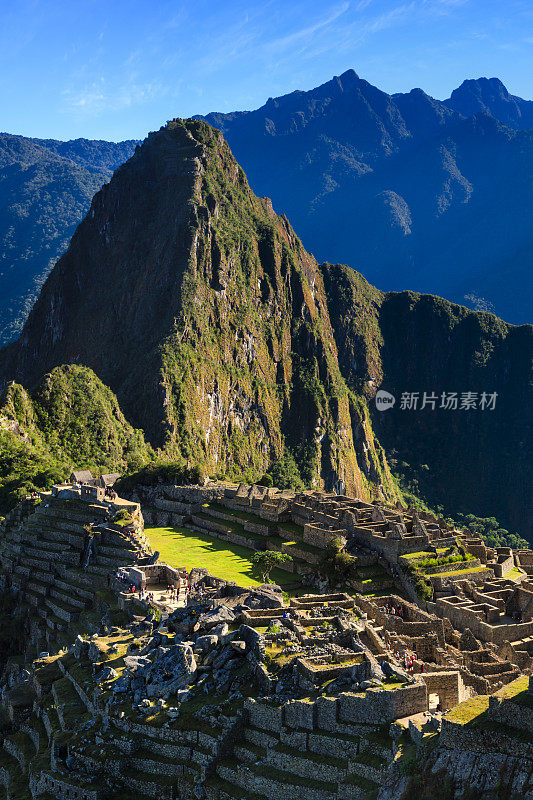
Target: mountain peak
<point>484,89</point>
<point>348,78</point>
<point>490,96</point>
<point>182,281</point>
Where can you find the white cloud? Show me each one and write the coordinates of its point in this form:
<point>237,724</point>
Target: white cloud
<point>305,33</point>
<point>97,98</point>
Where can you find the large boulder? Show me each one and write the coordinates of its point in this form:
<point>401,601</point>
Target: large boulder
<point>268,595</point>
<point>226,653</point>
<point>220,630</point>
<point>107,674</point>
<point>197,573</point>
<point>205,643</point>
<point>139,666</point>
<point>122,684</point>
<point>96,651</point>
<point>394,672</point>
<point>173,669</point>
<point>80,648</point>
<point>217,616</point>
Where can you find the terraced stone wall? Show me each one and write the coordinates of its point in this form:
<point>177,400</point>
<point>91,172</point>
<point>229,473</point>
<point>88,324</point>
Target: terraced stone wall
<point>462,617</point>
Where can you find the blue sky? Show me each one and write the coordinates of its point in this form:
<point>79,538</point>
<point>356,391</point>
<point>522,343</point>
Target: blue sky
<point>116,69</point>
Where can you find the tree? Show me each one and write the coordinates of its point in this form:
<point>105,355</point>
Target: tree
<point>285,473</point>
<point>266,560</point>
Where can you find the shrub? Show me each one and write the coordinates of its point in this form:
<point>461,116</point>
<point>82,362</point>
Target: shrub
<point>423,589</point>
<point>266,560</point>
<point>123,518</point>
<point>285,473</point>
<point>335,563</point>
<point>408,765</point>
<point>161,471</point>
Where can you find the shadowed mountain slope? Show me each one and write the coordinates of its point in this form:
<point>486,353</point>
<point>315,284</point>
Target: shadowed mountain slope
<point>417,193</point>
<point>46,187</point>
<point>469,460</point>
<point>200,308</point>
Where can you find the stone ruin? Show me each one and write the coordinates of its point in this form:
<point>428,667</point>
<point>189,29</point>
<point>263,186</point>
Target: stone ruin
<point>236,692</point>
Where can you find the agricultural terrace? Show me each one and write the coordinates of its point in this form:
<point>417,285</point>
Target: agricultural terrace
<point>181,547</point>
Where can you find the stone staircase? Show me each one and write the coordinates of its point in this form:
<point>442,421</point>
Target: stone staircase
<point>125,758</point>
<point>313,758</point>
<point>44,556</point>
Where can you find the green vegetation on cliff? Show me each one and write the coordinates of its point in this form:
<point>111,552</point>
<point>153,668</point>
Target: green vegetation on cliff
<point>216,336</point>
<point>463,461</point>
<point>71,420</point>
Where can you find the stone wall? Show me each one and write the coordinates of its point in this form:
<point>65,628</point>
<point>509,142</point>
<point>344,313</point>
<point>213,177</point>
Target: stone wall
<point>373,707</point>
<point>455,736</point>
<point>60,788</point>
<point>320,536</point>
<point>378,706</point>
<point>511,713</point>
<point>448,685</point>
<point>462,617</point>
<point>312,670</point>
<point>503,566</point>
<point>442,582</point>
<point>415,623</point>
<point>255,643</point>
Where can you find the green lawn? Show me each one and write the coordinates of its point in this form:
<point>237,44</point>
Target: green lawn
<point>470,711</point>
<point>422,554</point>
<point>515,574</point>
<point>181,547</point>
<point>455,572</point>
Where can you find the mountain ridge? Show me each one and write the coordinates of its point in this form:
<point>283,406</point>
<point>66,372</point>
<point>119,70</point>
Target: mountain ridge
<point>181,281</point>
<point>226,342</point>
<point>333,164</point>
<point>394,186</point>
<point>45,189</point>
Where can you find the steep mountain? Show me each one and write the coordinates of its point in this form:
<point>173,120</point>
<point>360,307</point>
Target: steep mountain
<point>230,347</point>
<point>419,194</point>
<point>474,460</point>
<point>489,96</point>
<point>201,310</point>
<point>46,187</point>
<point>70,419</point>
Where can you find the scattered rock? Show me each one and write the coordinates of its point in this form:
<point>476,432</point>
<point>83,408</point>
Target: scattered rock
<point>215,617</point>
<point>107,674</point>
<point>80,648</point>
<point>205,643</point>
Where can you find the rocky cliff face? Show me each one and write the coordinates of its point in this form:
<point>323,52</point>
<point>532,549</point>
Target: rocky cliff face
<point>468,459</point>
<point>200,308</point>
